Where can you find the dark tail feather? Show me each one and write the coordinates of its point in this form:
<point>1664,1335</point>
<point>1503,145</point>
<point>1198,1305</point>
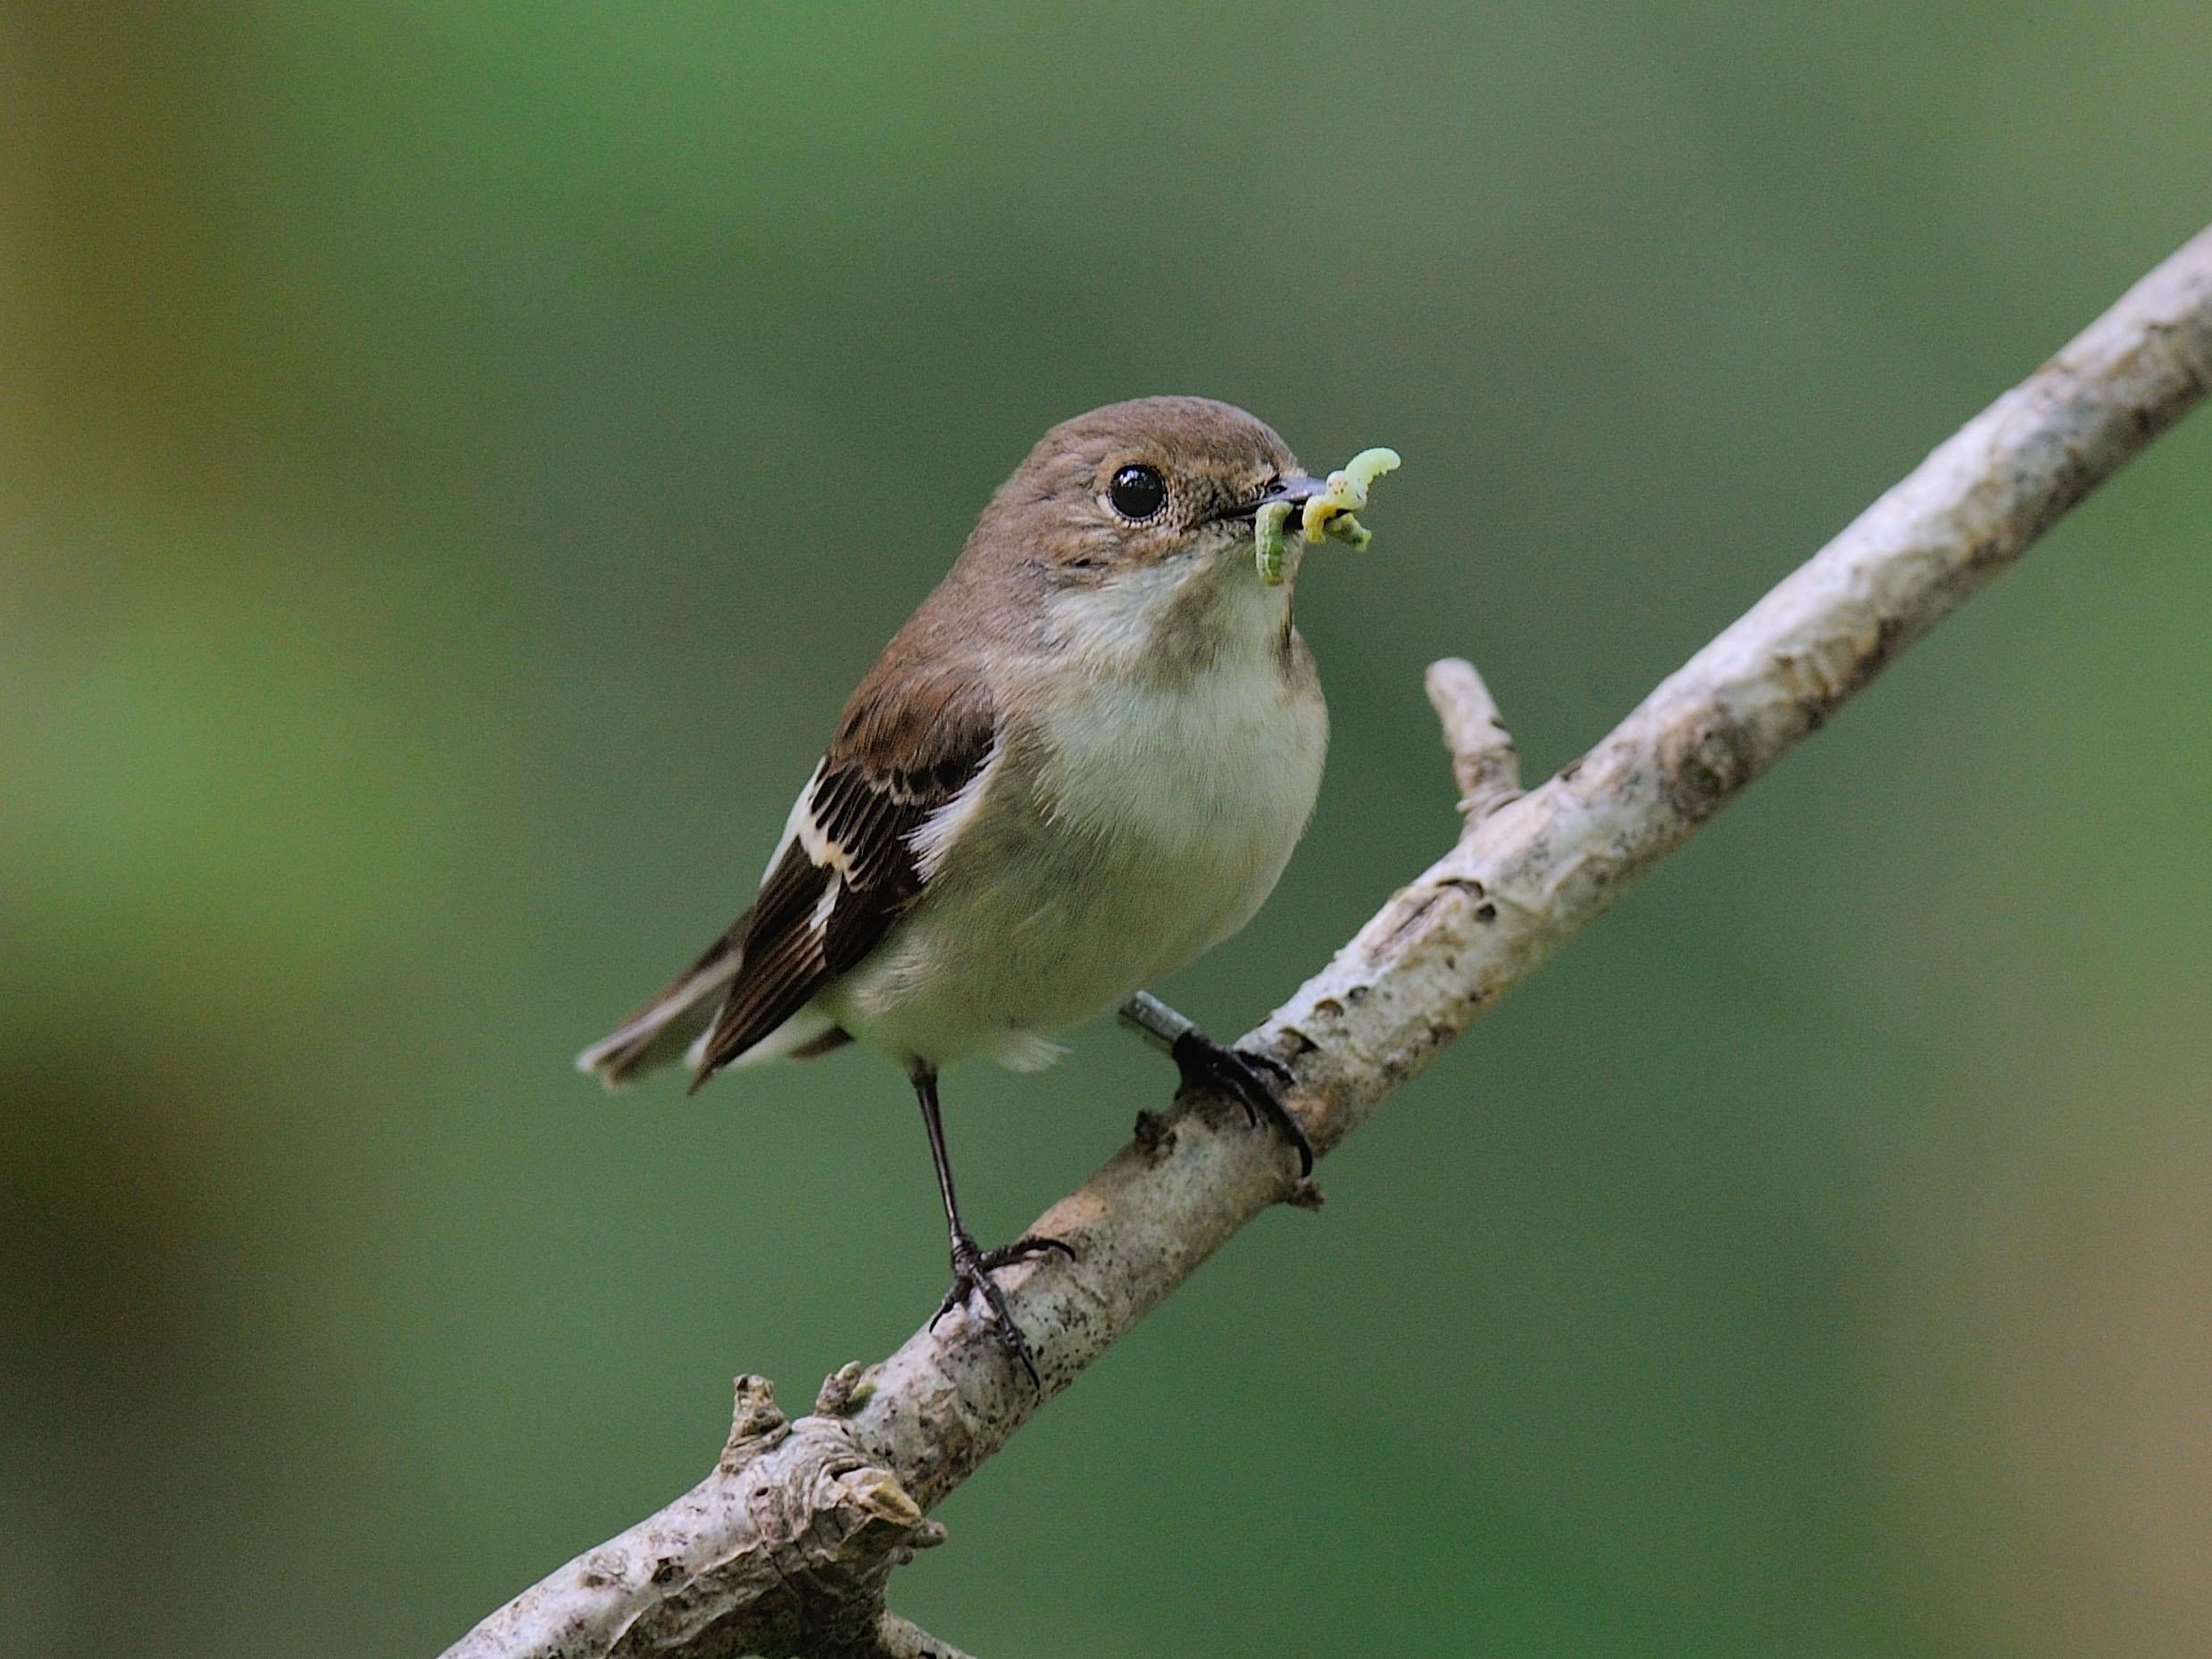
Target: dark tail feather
<point>828,1042</point>
<point>660,1032</point>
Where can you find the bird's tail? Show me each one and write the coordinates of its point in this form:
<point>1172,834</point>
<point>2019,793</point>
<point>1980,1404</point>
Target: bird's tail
<point>658,1033</point>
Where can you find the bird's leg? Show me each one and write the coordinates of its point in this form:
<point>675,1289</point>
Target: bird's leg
<point>1251,1080</point>
<point>972,1266</point>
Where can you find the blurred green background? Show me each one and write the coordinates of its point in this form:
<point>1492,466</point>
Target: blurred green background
<point>458,458</point>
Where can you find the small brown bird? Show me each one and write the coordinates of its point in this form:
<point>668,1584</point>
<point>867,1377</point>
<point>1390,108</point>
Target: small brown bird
<point>1083,761</point>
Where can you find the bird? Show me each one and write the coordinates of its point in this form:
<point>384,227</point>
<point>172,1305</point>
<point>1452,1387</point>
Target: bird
<point>1083,761</point>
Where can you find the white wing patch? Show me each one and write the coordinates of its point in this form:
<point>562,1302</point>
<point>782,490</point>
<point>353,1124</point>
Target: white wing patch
<point>824,853</point>
<point>821,851</point>
<point>827,902</point>
<point>859,843</point>
<point>933,837</point>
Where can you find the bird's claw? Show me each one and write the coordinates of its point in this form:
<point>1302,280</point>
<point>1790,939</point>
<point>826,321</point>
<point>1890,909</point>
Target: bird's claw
<point>971,1271</point>
<point>1245,1077</point>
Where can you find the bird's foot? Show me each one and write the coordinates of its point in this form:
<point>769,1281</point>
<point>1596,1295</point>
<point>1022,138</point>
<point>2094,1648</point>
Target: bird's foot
<point>971,1271</point>
<point>1251,1080</point>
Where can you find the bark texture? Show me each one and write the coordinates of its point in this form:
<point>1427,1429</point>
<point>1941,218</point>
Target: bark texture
<point>784,1548</point>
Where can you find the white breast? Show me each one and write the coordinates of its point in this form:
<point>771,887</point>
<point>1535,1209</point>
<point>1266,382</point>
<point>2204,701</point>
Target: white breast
<point>1222,770</point>
<point>1149,812</point>
<point>1205,764</point>
<point>1159,811</point>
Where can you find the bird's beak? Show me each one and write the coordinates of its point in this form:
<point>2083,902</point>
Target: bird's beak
<point>1297,492</point>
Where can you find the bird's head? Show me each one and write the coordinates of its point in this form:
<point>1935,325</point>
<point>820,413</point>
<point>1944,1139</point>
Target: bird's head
<point>1145,494</point>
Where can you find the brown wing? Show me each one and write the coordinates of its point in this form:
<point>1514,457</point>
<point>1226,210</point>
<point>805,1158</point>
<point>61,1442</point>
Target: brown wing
<point>908,745</point>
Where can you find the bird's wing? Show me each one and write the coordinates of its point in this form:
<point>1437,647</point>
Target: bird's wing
<point>912,757</point>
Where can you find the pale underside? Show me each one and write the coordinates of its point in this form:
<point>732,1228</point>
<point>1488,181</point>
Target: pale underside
<point>1133,813</point>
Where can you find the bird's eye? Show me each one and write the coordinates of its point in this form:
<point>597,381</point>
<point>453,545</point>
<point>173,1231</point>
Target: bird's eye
<point>1137,493</point>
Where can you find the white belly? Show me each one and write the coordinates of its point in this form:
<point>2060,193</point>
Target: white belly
<point>1137,825</point>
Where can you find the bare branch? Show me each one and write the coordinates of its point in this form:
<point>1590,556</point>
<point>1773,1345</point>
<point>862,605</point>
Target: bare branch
<point>1485,764</point>
<point>785,1547</point>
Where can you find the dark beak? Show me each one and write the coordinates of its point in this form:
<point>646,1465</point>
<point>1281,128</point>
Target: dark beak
<point>1296,490</point>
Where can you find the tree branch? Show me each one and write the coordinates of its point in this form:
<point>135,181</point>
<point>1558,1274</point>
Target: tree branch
<point>1485,764</point>
<point>785,1547</point>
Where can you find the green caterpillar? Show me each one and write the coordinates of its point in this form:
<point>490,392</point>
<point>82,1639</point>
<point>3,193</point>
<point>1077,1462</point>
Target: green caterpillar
<point>1267,529</point>
<point>1328,513</point>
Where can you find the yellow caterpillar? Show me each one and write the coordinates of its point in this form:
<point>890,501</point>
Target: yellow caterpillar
<point>1328,513</point>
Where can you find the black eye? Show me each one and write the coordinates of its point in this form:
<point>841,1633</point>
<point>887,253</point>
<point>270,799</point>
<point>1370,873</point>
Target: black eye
<point>1137,492</point>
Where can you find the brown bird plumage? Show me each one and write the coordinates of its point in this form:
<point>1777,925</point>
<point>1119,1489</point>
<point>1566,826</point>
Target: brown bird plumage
<point>1082,761</point>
